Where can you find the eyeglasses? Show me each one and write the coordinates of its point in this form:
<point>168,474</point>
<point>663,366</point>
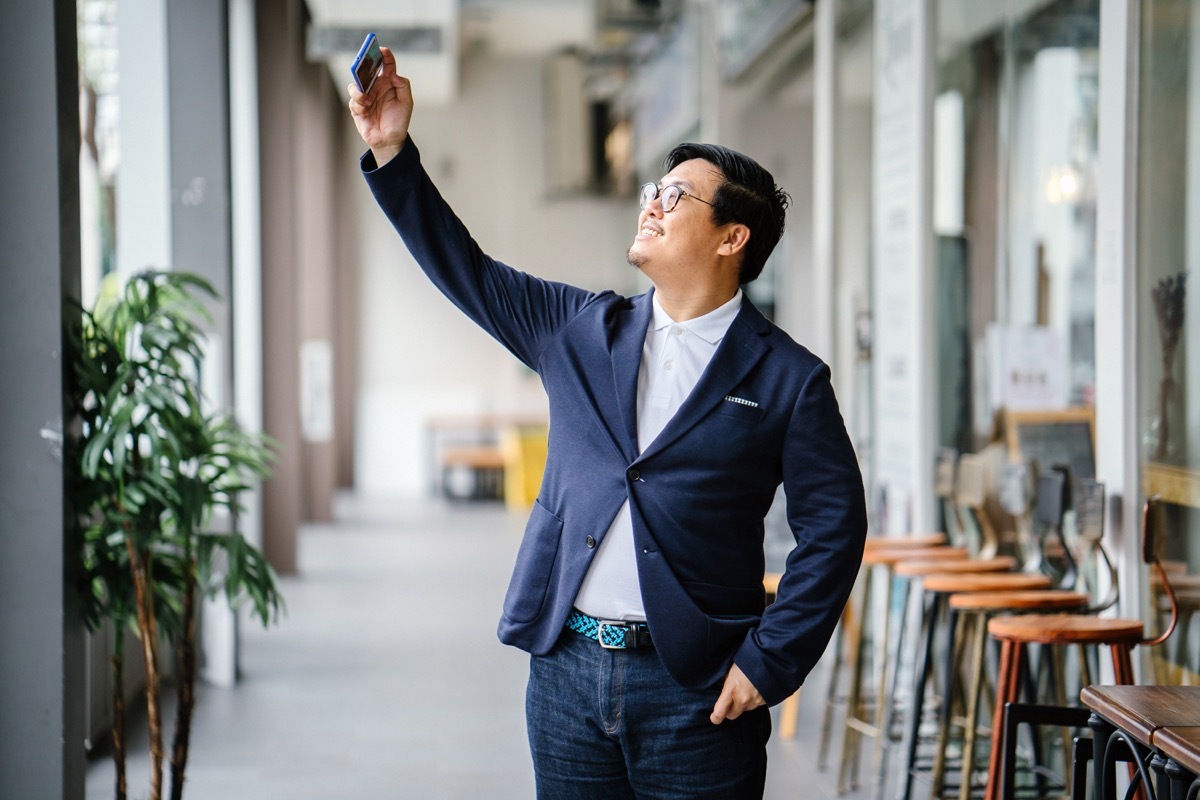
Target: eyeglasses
<point>670,195</point>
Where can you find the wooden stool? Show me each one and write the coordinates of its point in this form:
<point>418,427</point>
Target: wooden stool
<point>857,723</point>
<point>1121,636</point>
<point>1014,633</point>
<point>789,709</point>
<point>970,631</point>
<point>848,622</point>
<point>937,587</point>
<point>909,541</point>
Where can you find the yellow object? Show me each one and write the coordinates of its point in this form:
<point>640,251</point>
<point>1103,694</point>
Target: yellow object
<point>524,450</point>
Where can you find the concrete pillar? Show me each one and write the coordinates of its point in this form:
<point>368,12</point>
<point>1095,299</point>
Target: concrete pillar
<point>301,115</point>
<point>280,54</point>
<point>198,119</point>
<point>41,671</point>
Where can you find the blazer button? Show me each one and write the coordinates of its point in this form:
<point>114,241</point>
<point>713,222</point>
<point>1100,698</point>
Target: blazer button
<point>633,474</point>
<point>591,542</point>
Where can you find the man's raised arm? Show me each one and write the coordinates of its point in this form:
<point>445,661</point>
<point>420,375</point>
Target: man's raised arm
<point>382,115</point>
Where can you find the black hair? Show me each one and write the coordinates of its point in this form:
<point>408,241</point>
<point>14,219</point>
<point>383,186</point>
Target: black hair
<point>747,195</point>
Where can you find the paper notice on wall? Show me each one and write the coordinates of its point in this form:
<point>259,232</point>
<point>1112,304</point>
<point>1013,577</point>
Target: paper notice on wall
<point>1026,368</point>
<point>316,391</point>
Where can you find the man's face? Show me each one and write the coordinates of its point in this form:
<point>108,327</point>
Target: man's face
<point>685,238</point>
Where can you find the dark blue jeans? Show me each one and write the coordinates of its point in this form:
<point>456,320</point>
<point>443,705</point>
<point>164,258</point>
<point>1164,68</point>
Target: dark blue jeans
<point>613,725</point>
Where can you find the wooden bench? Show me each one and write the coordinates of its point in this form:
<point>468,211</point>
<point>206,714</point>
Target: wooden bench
<point>472,473</point>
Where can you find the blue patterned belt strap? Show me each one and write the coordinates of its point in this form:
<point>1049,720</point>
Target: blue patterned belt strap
<point>611,634</point>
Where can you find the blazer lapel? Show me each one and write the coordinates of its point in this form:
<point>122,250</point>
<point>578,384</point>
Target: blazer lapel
<point>628,341</point>
<point>744,346</point>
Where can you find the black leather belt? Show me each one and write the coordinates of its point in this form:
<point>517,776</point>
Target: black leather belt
<point>611,634</point>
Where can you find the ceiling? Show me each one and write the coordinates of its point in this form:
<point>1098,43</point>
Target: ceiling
<point>430,36</point>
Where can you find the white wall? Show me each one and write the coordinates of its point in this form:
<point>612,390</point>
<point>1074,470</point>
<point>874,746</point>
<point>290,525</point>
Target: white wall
<point>420,357</point>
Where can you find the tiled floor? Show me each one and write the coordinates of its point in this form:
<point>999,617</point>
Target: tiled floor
<point>385,678</point>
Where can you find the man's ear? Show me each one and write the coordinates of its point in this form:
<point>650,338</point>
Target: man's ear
<point>737,236</point>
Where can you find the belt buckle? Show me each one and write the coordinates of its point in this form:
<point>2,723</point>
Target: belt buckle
<point>612,623</point>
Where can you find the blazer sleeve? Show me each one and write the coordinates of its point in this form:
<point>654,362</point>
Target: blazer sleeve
<point>826,511</point>
<point>520,311</point>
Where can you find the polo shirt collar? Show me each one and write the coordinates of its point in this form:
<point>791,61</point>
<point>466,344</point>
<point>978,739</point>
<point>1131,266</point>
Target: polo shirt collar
<point>711,327</point>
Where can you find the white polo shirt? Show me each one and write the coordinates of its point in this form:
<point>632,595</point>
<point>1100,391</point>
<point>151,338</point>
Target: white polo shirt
<point>674,356</point>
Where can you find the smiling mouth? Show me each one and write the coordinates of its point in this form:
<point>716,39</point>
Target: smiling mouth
<point>649,232</point>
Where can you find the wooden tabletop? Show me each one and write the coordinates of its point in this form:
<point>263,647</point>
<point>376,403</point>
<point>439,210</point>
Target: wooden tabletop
<point>1141,710</point>
<point>1180,744</point>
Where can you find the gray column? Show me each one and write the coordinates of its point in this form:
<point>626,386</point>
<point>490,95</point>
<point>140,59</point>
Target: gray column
<point>198,100</point>
<point>41,670</point>
<point>280,59</point>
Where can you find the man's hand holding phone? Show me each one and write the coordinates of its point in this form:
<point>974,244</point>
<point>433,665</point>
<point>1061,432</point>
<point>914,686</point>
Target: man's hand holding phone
<point>382,113</point>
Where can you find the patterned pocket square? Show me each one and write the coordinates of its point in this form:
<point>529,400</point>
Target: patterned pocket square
<point>741,401</point>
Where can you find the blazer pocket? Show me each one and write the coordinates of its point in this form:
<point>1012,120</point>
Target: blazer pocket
<point>717,600</point>
<point>535,563</point>
<point>727,632</point>
<point>747,413</point>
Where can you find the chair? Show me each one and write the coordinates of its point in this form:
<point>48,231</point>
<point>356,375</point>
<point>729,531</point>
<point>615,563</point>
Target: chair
<point>970,494</point>
<point>1016,633</point>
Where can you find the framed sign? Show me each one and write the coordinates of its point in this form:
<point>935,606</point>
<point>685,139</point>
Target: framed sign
<point>1050,438</point>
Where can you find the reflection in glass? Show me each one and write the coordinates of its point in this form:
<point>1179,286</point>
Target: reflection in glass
<point>100,156</point>
<point>1015,152</point>
<point>1168,363</point>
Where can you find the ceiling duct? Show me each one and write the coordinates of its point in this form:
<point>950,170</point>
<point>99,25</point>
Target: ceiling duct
<point>326,42</point>
<point>637,16</point>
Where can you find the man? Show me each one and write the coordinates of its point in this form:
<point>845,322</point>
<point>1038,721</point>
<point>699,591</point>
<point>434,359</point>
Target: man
<point>674,416</point>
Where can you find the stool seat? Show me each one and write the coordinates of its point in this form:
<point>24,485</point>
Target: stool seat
<point>905,542</point>
<point>1028,599</point>
<point>921,567</point>
<point>1067,629</point>
<point>951,584</point>
<point>889,555</point>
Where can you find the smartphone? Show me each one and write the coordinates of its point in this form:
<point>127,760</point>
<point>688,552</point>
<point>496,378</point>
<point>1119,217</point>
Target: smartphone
<point>367,64</point>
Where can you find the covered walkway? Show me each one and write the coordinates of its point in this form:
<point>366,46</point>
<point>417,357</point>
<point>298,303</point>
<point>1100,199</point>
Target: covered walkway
<point>385,679</point>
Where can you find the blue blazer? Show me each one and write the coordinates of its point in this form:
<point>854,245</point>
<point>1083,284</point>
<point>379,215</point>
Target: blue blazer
<point>763,413</point>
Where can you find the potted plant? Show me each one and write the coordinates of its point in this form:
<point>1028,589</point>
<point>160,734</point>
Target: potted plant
<point>152,468</point>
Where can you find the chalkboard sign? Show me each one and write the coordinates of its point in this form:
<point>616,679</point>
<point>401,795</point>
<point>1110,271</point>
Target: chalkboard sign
<point>1050,438</point>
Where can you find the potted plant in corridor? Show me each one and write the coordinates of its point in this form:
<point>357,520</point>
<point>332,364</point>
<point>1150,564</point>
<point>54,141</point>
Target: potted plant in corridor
<point>152,468</point>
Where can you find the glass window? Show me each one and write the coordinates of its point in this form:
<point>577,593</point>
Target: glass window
<point>1015,145</point>
<point>1168,369</point>
<point>100,154</point>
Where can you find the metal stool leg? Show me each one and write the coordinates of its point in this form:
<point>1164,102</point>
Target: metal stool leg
<point>853,724</point>
<point>971,727</point>
<point>960,625</point>
<point>840,641</point>
<point>917,703</point>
